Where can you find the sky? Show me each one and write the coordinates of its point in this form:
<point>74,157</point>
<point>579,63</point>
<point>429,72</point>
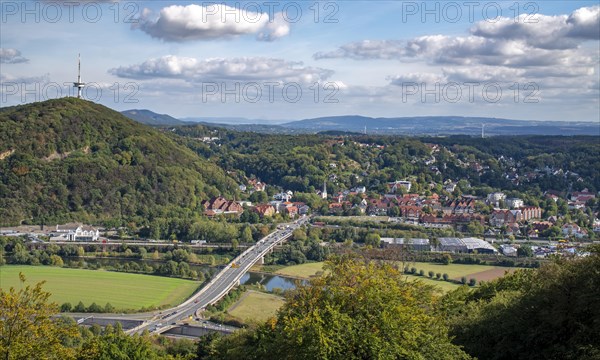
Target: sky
<point>276,61</point>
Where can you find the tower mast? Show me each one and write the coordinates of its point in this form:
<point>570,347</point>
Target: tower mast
<point>79,85</point>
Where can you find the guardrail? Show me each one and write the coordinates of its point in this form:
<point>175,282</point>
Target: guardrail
<point>246,268</point>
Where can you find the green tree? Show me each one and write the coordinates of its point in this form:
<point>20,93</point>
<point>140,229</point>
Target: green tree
<point>246,236</point>
<point>358,310</point>
<point>550,313</point>
<point>446,259</point>
<point>115,344</point>
<point>373,240</point>
<point>26,327</point>
<point>56,260</point>
<point>525,251</point>
<point>66,307</point>
<point>80,307</point>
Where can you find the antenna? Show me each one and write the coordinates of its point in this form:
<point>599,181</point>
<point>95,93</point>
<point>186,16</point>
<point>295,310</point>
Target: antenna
<point>482,131</point>
<point>365,129</point>
<point>79,85</point>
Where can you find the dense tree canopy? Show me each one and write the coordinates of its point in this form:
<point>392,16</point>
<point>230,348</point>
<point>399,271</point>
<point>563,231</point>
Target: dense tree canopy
<point>550,313</point>
<point>70,159</point>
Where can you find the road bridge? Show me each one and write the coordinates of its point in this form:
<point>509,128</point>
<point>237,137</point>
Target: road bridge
<point>221,283</point>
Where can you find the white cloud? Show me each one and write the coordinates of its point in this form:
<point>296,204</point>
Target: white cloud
<point>205,22</point>
<point>11,56</point>
<point>417,78</point>
<point>275,29</point>
<point>219,69</point>
<point>536,40</point>
<point>366,49</point>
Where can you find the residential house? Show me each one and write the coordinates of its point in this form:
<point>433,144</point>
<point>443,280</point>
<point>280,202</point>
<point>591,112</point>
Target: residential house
<point>574,230</point>
<point>514,203</point>
<point>256,185</point>
<point>303,209</point>
<point>495,198</point>
<point>395,186</point>
<point>504,217</point>
<point>264,210</point>
<point>530,212</point>
<point>219,205</point>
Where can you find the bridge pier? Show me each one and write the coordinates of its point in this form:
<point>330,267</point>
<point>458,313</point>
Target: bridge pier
<point>262,260</point>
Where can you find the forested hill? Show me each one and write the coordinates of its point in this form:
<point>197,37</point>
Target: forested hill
<point>70,159</point>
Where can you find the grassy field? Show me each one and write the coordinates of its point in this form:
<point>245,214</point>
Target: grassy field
<point>256,306</point>
<point>303,270</point>
<point>122,290</point>
<point>445,286</point>
<point>454,271</point>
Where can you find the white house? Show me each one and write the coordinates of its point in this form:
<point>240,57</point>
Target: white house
<point>75,232</point>
<point>514,203</point>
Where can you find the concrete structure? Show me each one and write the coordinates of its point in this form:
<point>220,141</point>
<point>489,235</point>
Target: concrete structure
<point>411,244</point>
<point>466,245</point>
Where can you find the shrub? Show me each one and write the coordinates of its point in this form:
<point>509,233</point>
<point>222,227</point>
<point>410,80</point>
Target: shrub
<point>79,307</point>
<point>66,307</point>
<point>430,273</point>
<point>421,273</point>
<point>446,259</point>
<point>438,275</point>
<point>413,270</point>
<point>472,282</point>
<point>94,308</point>
<point>463,280</point>
<point>445,276</point>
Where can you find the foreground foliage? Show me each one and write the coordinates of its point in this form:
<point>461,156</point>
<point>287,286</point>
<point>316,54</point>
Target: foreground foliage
<point>550,313</point>
<point>26,327</point>
<point>358,310</point>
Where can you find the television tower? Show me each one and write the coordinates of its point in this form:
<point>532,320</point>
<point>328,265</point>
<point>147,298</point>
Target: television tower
<point>79,85</point>
<point>482,131</point>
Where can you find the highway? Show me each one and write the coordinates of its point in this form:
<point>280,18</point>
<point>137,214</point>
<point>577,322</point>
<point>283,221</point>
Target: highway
<point>221,283</point>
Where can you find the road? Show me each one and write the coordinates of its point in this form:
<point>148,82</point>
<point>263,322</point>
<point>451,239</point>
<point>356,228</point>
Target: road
<point>220,285</point>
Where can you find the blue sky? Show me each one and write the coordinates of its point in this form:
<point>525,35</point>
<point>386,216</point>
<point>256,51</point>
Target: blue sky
<point>291,60</point>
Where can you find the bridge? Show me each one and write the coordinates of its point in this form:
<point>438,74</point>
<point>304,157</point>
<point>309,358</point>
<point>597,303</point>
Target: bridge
<point>220,284</point>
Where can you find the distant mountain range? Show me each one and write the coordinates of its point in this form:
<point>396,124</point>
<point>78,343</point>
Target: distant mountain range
<point>444,125</point>
<point>422,125</point>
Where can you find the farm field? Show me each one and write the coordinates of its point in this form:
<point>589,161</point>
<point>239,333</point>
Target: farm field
<point>256,306</point>
<point>454,271</point>
<point>445,286</point>
<point>304,270</point>
<point>124,291</point>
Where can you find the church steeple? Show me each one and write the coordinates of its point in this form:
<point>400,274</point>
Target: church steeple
<point>324,193</point>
